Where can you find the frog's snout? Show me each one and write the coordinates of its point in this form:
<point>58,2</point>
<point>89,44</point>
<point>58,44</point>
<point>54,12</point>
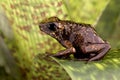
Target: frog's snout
<point>41,26</point>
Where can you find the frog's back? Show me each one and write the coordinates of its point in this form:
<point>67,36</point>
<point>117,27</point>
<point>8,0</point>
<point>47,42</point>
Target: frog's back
<point>89,34</point>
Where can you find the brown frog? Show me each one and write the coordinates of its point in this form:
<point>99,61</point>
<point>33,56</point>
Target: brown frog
<point>79,39</point>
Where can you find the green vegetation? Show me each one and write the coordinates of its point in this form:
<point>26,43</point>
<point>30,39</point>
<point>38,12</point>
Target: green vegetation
<point>23,46</point>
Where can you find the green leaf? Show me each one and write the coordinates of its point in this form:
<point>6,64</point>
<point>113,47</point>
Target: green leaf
<point>8,66</point>
<point>5,28</point>
<point>107,68</point>
<point>109,23</point>
<point>85,11</point>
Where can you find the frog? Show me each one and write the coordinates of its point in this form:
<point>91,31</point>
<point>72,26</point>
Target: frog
<point>79,39</point>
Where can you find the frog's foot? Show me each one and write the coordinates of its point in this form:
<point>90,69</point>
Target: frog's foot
<point>47,54</point>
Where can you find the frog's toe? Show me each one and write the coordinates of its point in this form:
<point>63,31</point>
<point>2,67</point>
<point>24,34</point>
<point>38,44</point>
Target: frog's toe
<point>57,56</point>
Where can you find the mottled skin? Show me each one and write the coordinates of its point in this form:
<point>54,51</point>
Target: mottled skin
<point>79,39</point>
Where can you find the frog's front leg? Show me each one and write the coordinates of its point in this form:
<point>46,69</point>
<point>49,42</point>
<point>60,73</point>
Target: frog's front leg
<point>100,49</point>
<point>65,53</point>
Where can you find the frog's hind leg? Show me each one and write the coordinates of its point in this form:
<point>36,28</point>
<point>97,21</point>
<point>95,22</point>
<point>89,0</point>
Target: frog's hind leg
<point>99,48</point>
<point>101,53</point>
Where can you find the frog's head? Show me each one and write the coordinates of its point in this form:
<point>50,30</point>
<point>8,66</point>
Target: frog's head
<point>52,26</point>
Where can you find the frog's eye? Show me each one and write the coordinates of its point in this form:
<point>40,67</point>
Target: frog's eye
<point>52,26</point>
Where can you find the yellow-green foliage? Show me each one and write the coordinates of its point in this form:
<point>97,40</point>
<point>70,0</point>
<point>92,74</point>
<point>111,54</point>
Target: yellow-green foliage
<point>25,15</point>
